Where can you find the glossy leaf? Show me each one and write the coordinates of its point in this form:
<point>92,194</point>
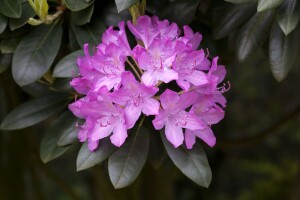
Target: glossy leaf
<point>181,11</point>
<point>87,159</point>
<point>27,12</point>
<point>11,8</point>
<point>288,15</point>
<point>127,162</point>
<point>83,16</point>
<point>35,53</point>
<point>111,16</point>
<point>67,66</point>
<point>37,89</point>
<point>241,1</point>
<point>3,22</point>
<point>230,18</point>
<point>49,149</point>
<point>76,5</point>
<point>156,152</point>
<point>89,33</point>
<point>253,34</point>
<point>267,4</point>
<point>63,85</point>
<point>68,129</point>
<point>193,163</point>
<point>124,4</point>
<point>33,112</point>
<point>283,51</point>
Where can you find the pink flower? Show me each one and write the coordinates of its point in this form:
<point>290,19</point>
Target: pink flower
<point>119,84</point>
<point>157,62</point>
<point>174,118</point>
<point>136,98</point>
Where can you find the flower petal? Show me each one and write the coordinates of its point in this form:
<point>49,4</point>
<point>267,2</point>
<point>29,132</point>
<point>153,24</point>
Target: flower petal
<point>174,134</point>
<point>119,135</point>
<point>150,106</point>
<point>132,114</point>
<point>190,139</point>
<point>206,135</point>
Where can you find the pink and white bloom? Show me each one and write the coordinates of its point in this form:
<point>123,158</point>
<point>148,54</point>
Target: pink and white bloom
<point>174,118</point>
<point>137,98</point>
<point>119,84</point>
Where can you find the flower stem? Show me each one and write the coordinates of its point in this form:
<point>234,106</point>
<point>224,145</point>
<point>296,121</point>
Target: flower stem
<point>141,71</point>
<point>134,69</point>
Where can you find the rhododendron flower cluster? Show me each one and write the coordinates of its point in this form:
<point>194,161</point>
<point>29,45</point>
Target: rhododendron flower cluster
<point>164,75</point>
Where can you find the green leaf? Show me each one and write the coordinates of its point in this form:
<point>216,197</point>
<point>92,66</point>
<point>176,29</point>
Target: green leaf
<point>89,33</point>
<point>267,4</point>
<point>83,16</point>
<point>37,89</point>
<point>230,18</point>
<point>241,1</point>
<point>157,152</point>
<point>27,12</point>
<point>67,66</point>
<point>111,16</point>
<point>35,53</point>
<point>253,34</point>
<point>127,162</point>
<point>192,163</point>
<point>9,45</point>
<point>283,50</point>
<point>63,85</point>
<point>181,11</point>
<point>11,8</point>
<point>33,112</point>
<point>76,5</point>
<point>3,22</point>
<point>87,159</point>
<point>48,149</point>
<point>124,4</point>
<point>5,62</point>
<point>288,15</point>
<point>68,130</point>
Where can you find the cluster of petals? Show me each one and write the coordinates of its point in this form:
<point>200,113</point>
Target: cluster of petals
<point>114,96</point>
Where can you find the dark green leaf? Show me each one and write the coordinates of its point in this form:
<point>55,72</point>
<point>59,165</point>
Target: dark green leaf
<point>62,85</point>
<point>267,4</point>
<point>49,150</point>
<point>35,53</point>
<point>181,11</point>
<point>156,152</point>
<point>37,89</point>
<point>230,18</point>
<point>68,129</point>
<point>87,159</point>
<point>27,12</point>
<point>11,8</point>
<point>3,22</point>
<point>90,33</point>
<point>283,51</point>
<point>253,34</point>
<point>67,66</point>
<point>288,15</point>
<point>9,45</point>
<point>33,112</point>
<point>83,16</point>
<point>124,4</point>
<point>5,62</point>
<point>76,5</point>
<point>73,44</point>
<point>192,163</point>
<point>127,162</point>
<point>111,16</point>
<point>241,1</point>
